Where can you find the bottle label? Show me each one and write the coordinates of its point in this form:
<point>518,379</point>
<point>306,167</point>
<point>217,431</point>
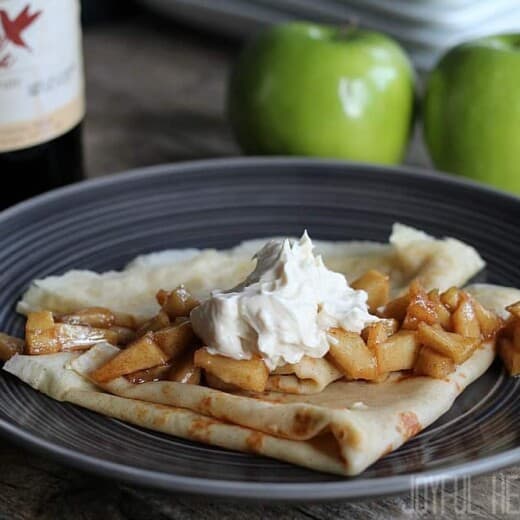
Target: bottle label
<point>41,71</point>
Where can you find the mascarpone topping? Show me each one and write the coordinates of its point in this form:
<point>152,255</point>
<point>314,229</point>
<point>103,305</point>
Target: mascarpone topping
<point>283,309</point>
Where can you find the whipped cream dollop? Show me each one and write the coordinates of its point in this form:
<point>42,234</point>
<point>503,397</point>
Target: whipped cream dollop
<point>283,309</point>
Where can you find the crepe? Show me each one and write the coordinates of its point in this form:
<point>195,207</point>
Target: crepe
<point>342,430</point>
<point>304,417</point>
<point>410,253</point>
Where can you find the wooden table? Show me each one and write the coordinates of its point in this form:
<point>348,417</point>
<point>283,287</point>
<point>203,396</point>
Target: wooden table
<point>155,94</point>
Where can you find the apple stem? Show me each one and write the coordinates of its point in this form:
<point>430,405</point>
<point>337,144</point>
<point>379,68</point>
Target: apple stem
<point>349,26</point>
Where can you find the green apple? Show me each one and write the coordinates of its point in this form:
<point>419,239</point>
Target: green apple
<point>308,89</point>
<point>472,111</point>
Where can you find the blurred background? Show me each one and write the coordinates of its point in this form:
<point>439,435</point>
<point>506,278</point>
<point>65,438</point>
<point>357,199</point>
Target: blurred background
<point>155,87</point>
<point>157,69</point>
<point>425,28</point>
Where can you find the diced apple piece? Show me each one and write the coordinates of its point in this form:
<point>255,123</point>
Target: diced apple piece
<point>376,333</point>
<point>443,315</point>
<point>420,309</point>
<point>9,346</point>
<point>91,316</point>
<point>450,298</point>
<point>142,354</point>
<point>398,352</point>
<point>184,370</point>
<point>178,302</point>
<point>41,320</point>
<point>121,335</point>
<point>516,335</point>
<point>510,356</point>
<point>449,344</point>
<point>40,335</point>
<point>464,319</point>
<point>349,353</point>
<point>431,363</point>
<point>158,322</point>
<point>514,309</point>
<point>44,336</point>
<point>247,374</point>
<point>79,337</point>
<point>396,309</point>
<point>488,321</point>
<point>508,328</point>
<point>376,285</point>
<point>176,339</point>
<point>98,317</point>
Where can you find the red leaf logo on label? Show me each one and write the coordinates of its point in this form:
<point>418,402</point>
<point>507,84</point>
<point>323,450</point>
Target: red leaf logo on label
<point>13,29</point>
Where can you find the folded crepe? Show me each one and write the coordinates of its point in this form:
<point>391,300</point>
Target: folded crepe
<point>342,429</point>
<point>307,416</point>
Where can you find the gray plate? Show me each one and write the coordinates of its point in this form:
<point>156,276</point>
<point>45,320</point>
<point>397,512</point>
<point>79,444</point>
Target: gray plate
<point>104,223</point>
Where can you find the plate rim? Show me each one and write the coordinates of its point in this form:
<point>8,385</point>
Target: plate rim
<point>180,168</point>
<point>303,492</point>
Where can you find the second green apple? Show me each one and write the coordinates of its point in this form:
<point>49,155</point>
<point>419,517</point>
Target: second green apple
<point>472,111</point>
<point>316,90</point>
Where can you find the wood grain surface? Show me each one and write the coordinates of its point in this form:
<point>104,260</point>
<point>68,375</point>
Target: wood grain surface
<point>156,94</point>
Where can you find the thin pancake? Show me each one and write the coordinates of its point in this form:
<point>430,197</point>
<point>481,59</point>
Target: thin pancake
<point>329,433</point>
<point>342,429</point>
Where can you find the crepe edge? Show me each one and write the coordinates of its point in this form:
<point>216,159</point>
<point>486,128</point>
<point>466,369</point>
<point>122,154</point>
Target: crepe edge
<point>52,377</point>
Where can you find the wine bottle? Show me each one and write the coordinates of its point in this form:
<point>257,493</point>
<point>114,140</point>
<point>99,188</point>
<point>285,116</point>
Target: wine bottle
<point>42,100</point>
